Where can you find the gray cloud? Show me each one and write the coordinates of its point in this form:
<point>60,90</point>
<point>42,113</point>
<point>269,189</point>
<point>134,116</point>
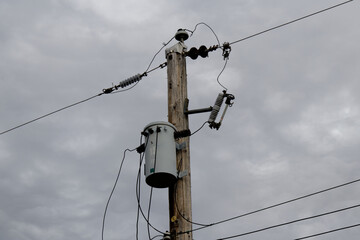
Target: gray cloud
<point>292,130</point>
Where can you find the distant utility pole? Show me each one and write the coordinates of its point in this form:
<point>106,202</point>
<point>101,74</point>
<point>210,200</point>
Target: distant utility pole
<point>180,193</point>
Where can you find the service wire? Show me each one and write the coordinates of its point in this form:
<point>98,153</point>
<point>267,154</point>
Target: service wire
<point>292,21</point>
<point>290,222</point>
<point>276,205</point>
<point>112,191</point>
<point>138,191</point>
<point>327,232</point>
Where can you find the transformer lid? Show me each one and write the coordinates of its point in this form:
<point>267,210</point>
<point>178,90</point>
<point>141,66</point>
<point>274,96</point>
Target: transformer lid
<point>160,123</point>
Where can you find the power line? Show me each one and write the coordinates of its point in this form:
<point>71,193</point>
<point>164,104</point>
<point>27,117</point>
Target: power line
<point>290,222</point>
<point>51,113</point>
<point>165,44</point>
<point>276,205</point>
<point>330,231</point>
<point>292,21</point>
<point>202,23</point>
<point>105,91</point>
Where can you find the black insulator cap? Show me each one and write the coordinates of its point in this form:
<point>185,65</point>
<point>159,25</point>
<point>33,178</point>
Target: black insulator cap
<point>181,35</point>
<point>203,51</point>
<point>193,53</point>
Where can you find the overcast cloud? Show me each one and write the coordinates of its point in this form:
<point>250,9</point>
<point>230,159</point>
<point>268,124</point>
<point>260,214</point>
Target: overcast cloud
<point>293,130</point>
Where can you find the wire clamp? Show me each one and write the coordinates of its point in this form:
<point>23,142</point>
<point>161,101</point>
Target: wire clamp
<point>226,50</point>
<point>163,65</point>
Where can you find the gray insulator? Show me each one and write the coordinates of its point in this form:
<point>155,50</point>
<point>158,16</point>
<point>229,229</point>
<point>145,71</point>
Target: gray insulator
<point>130,80</point>
<point>216,108</point>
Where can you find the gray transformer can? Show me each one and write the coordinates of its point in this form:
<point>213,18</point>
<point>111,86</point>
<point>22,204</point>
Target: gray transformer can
<point>160,155</point>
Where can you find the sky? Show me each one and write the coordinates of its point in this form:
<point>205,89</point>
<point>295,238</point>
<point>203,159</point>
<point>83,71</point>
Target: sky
<point>293,129</point>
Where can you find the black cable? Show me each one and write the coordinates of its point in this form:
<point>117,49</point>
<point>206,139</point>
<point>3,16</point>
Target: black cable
<point>202,23</point>
<point>290,222</point>
<point>139,205</point>
<point>152,60</point>
<point>217,79</point>
<point>178,210</point>
<point>330,231</point>
<point>148,216</point>
<point>138,183</point>
<point>156,237</point>
<point>51,113</point>
<point>138,179</point>
<point>277,205</point>
<point>85,100</point>
<point>112,191</point>
<point>151,191</point>
<point>199,128</point>
<point>290,22</point>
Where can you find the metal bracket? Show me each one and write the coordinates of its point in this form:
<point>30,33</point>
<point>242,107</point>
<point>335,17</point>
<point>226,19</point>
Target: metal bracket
<point>180,146</point>
<point>180,47</point>
<point>183,174</point>
<point>194,111</point>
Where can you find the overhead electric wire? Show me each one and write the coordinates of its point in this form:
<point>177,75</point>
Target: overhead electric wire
<point>165,44</point>
<point>182,215</point>
<point>112,191</point>
<point>139,205</point>
<point>51,113</point>
<point>290,222</point>
<point>193,133</point>
<point>97,95</point>
<point>274,205</point>
<point>292,21</point>
<point>217,79</point>
<point>330,231</point>
<point>202,23</point>
<point>152,60</point>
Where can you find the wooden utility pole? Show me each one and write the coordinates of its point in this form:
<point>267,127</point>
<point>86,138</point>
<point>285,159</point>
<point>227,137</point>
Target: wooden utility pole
<point>180,193</point>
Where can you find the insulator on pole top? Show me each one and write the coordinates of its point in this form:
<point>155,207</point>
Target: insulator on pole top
<point>181,35</point>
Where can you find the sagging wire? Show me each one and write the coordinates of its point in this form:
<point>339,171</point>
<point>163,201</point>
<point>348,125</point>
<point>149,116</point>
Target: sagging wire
<point>202,23</point>
<point>157,53</point>
<point>276,205</point>
<point>330,231</point>
<point>182,215</point>
<point>112,191</point>
<point>199,128</point>
<point>51,113</point>
<point>290,222</point>
<point>217,79</point>
<point>138,191</point>
<point>203,51</point>
<point>151,190</point>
